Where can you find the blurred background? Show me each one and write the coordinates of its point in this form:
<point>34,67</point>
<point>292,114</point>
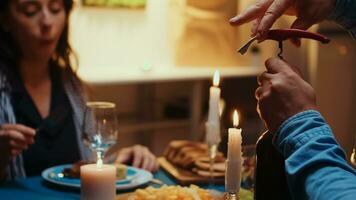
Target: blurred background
<point>155,59</point>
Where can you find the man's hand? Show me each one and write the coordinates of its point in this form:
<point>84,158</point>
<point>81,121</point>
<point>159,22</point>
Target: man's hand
<point>282,93</point>
<point>140,156</point>
<point>265,12</point>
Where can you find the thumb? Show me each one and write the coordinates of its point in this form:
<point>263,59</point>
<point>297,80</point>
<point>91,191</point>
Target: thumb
<point>276,65</point>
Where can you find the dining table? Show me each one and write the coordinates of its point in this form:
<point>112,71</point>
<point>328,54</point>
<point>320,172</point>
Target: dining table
<point>37,188</point>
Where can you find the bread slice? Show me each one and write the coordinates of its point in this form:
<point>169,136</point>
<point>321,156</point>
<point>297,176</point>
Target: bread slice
<point>194,156</point>
<point>204,164</point>
<point>207,173</point>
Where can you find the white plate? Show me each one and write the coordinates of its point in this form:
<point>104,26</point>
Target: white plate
<point>135,177</point>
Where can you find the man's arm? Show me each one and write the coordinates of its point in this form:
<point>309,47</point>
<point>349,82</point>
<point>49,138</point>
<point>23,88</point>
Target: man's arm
<point>315,164</point>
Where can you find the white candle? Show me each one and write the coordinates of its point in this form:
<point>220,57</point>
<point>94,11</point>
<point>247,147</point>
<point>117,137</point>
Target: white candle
<point>213,123</point>
<point>98,182</point>
<point>234,158</point>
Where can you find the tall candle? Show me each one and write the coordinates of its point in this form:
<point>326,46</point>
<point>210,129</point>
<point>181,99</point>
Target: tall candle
<point>98,181</point>
<point>213,123</point>
<point>234,158</point>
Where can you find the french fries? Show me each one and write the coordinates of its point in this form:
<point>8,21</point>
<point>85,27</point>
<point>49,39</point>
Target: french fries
<point>192,192</point>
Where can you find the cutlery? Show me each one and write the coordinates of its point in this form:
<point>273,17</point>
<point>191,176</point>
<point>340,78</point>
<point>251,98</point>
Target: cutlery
<point>157,182</point>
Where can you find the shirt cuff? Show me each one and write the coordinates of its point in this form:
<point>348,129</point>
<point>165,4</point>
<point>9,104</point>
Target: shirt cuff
<point>299,129</point>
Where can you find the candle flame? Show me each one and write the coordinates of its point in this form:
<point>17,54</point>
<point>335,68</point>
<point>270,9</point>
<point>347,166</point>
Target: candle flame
<point>216,79</point>
<point>236,119</point>
<point>99,163</point>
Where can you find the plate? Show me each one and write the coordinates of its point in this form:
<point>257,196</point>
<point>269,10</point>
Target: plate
<point>134,178</point>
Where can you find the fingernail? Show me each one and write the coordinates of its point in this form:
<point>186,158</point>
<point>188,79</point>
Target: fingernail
<point>234,19</point>
<point>258,35</point>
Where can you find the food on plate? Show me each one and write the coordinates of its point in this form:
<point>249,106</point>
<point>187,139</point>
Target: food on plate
<point>204,164</point>
<point>202,167</point>
<point>121,171</point>
<point>74,171</point>
<point>182,193</point>
<point>192,192</point>
<point>194,156</point>
<point>182,153</point>
<point>206,173</point>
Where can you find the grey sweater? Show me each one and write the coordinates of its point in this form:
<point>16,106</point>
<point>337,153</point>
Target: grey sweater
<point>77,99</point>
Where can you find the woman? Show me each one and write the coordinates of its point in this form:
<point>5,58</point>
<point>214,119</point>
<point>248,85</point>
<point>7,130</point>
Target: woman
<point>41,98</point>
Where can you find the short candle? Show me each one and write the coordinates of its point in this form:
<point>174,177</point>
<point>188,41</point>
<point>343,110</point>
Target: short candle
<point>98,181</point>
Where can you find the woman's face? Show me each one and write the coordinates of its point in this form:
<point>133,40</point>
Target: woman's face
<point>36,26</point>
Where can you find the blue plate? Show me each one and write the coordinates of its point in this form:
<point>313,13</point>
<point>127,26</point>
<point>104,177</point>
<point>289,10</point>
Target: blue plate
<point>134,177</point>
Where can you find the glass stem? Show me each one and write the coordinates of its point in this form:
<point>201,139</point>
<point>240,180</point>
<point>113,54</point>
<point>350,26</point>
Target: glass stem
<point>99,155</point>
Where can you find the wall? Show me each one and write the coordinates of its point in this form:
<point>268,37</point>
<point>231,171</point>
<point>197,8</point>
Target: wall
<point>336,87</point>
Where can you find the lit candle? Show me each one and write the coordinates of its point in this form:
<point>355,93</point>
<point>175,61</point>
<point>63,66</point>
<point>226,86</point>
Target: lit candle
<point>234,158</point>
<point>213,123</point>
<point>98,181</point>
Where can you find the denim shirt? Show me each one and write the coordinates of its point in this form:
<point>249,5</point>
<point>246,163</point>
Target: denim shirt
<point>314,162</point>
<point>345,15</point>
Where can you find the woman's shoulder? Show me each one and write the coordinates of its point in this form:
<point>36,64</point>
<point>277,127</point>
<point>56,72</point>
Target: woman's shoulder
<point>70,77</point>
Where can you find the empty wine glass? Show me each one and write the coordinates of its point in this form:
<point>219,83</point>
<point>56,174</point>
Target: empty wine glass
<point>100,127</point>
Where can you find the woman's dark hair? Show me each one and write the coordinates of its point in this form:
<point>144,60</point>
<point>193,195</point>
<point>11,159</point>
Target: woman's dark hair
<point>10,54</point>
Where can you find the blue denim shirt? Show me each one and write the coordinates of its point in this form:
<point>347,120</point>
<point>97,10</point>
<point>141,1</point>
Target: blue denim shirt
<point>345,15</point>
<point>315,163</point>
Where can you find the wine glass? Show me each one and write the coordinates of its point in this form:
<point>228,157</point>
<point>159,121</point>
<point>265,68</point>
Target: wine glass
<point>100,127</point>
